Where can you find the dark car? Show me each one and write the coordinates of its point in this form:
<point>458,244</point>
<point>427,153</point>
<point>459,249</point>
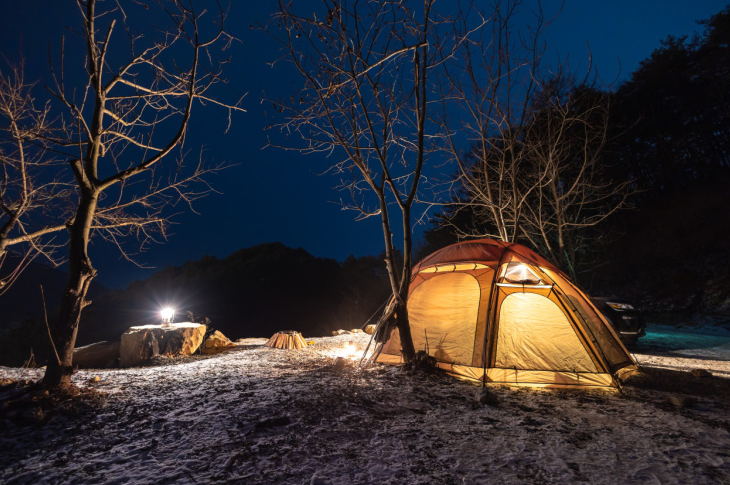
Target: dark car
<point>623,316</point>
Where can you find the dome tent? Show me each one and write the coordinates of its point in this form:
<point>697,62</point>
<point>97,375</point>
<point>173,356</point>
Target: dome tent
<point>496,311</point>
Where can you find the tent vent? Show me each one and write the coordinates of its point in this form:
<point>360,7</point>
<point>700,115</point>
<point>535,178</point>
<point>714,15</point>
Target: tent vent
<point>521,274</point>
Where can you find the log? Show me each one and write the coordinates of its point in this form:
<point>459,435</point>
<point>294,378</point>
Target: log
<point>101,355</point>
<point>287,339</point>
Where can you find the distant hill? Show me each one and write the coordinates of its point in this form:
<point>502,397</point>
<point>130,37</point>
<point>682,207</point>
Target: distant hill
<point>254,292</point>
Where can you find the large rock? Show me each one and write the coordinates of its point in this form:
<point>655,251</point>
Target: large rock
<point>100,355</point>
<point>682,401</point>
<point>139,344</point>
<point>216,343</point>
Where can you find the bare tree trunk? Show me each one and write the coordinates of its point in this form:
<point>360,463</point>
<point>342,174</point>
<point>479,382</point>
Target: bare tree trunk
<point>398,283</point>
<point>404,325</point>
<point>81,274</point>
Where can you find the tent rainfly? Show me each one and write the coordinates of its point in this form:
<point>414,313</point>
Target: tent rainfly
<point>287,339</point>
<point>498,312</point>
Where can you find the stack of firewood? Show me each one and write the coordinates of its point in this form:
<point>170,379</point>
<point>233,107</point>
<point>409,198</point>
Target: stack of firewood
<point>287,339</point>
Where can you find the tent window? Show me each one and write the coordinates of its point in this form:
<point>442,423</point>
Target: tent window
<point>520,273</point>
<point>535,334</point>
<point>443,315</point>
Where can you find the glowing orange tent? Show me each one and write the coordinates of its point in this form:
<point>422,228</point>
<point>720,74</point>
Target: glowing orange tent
<point>499,312</point>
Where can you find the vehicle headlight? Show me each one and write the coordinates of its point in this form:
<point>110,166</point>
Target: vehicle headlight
<point>620,306</point>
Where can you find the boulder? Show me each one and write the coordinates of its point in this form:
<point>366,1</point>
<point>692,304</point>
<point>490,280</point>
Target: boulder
<point>216,343</point>
<point>483,396</point>
<point>370,329</point>
<point>682,401</point>
<point>140,344</point>
<point>100,355</point>
<point>340,363</point>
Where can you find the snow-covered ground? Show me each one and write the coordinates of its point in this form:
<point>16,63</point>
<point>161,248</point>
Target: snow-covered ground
<point>705,342</point>
<point>256,415</point>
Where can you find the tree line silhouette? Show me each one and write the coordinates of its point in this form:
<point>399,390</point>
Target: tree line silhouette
<point>666,142</point>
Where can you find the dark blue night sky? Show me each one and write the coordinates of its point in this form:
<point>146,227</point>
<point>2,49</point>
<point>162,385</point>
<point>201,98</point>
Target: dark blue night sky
<point>271,195</point>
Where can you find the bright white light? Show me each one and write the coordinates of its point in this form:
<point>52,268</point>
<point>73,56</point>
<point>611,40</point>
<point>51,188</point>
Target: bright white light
<point>167,314</point>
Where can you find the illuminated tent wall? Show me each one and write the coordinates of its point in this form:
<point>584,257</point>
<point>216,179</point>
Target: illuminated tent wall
<point>498,311</point>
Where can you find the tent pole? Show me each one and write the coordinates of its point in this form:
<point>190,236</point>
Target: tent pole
<point>492,297</point>
<point>362,327</point>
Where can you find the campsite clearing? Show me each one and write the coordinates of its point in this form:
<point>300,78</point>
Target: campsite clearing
<point>258,415</point>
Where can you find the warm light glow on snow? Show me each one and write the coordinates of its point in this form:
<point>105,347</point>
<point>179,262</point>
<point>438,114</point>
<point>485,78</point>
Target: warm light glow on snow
<point>348,351</point>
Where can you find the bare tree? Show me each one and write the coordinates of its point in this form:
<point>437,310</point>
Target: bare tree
<point>125,110</point>
<point>565,146</point>
<point>535,168</point>
<point>33,192</point>
<point>543,178</point>
<point>366,70</point>
<point>490,90</point>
